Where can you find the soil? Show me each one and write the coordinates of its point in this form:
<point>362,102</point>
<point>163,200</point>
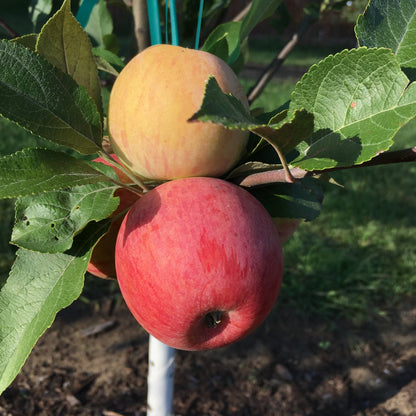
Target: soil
<point>93,361</point>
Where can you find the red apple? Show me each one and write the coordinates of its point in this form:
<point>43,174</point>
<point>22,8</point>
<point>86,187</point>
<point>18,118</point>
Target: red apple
<point>102,258</point>
<point>199,262</point>
<point>150,104</point>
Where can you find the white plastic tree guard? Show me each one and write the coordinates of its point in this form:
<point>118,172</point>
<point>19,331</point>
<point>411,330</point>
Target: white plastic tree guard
<point>160,379</point>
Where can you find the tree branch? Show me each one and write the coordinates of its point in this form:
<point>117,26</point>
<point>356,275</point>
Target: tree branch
<point>240,16</point>
<point>141,24</point>
<point>273,176</point>
<point>8,29</point>
<point>277,62</point>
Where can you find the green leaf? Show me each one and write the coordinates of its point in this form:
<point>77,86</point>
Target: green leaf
<point>32,171</point>
<point>226,39</point>
<point>259,11</point>
<point>67,46</point>
<point>100,24</point>
<point>28,41</point>
<point>109,56</point>
<point>44,100</point>
<point>224,42</point>
<point>301,199</point>
<point>359,98</point>
<point>107,61</point>
<point>105,66</point>
<point>390,24</point>
<point>48,222</point>
<point>288,133</point>
<point>251,167</point>
<point>220,108</point>
<point>282,131</point>
<point>38,287</point>
<point>111,43</point>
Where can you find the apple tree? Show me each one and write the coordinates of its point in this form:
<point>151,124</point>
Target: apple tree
<point>343,114</point>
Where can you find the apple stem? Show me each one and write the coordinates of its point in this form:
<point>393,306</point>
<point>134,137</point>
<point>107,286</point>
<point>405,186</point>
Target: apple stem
<point>160,379</point>
<point>213,319</point>
<point>134,179</point>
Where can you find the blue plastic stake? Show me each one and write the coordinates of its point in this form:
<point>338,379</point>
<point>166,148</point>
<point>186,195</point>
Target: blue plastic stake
<point>84,11</point>
<point>167,22</point>
<point>173,23</point>
<point>199,24</point>
<point>154,22</point>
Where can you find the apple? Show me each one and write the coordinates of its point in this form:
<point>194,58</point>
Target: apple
<point>286,227</point>
<point>102,263</point>
<point>150,103</point>
<point>199,262</point>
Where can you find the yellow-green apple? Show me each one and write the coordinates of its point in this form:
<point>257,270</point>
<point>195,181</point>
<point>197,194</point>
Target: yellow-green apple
<point>286,227</point>
<point>102,262</point>
<point>150,104</point>
<point>199,262</point>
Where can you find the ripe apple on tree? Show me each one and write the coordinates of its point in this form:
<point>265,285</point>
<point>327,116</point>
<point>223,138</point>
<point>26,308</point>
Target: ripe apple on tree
<point>199,262</point>
<point>102,262</point>
<point>150,104</point>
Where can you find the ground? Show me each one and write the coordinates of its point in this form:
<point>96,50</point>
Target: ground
<point>93,361</point>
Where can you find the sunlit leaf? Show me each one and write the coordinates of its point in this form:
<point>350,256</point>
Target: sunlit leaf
<point>46,101</point>
<point>67,46</point>
<point>359,99</point>
<point>390,24</point>
<point>218,107</point>
<point>34,171</point>
<point>48,222</point>
<point>38,287</point>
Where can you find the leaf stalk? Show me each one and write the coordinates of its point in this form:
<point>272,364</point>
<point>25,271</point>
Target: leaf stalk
<point>135,179</point>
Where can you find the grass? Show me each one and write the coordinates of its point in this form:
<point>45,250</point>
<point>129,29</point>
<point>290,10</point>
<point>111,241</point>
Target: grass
<point>358,258</point>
